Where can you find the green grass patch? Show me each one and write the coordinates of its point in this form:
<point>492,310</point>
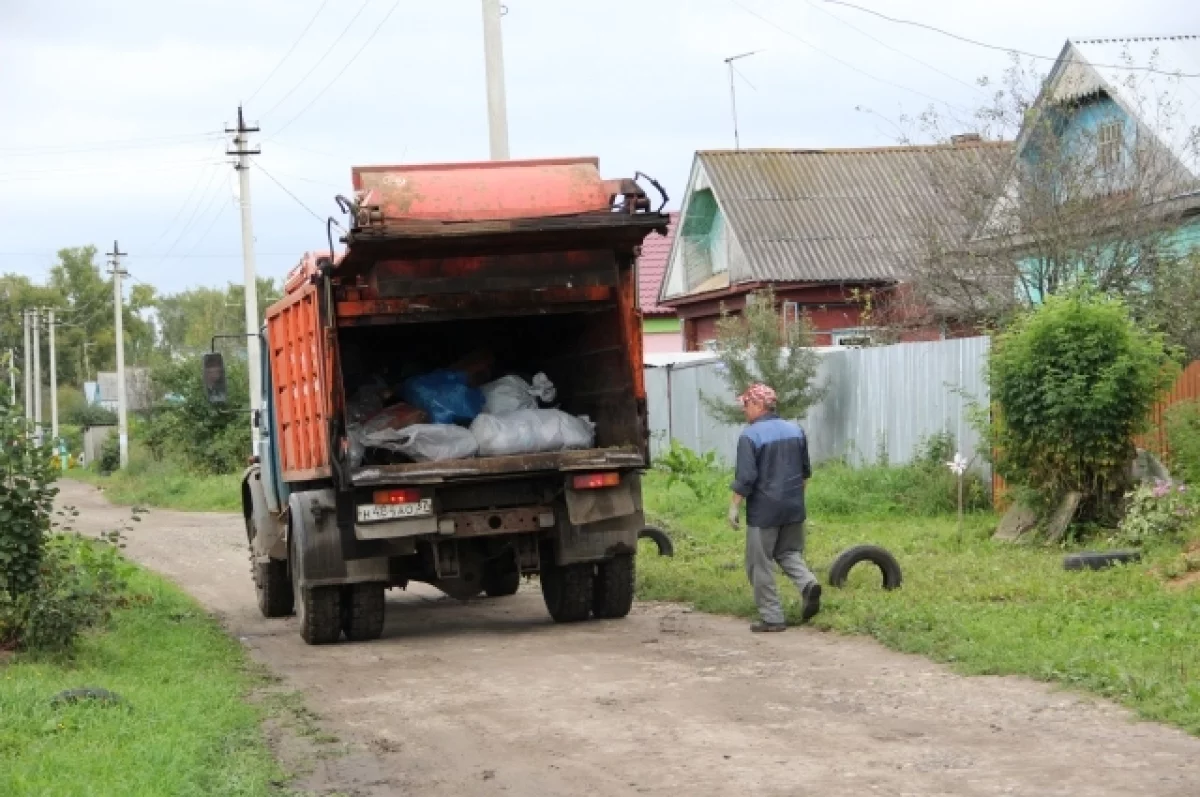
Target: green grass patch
<point>988,608</point>
<point>166,485</point>
<point>187,730</point>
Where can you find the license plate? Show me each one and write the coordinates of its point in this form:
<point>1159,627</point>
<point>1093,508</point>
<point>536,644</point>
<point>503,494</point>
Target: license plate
<point>374,513</point>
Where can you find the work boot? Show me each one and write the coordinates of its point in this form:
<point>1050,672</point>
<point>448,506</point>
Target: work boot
<point>768,628</point>
<point>812,602</point>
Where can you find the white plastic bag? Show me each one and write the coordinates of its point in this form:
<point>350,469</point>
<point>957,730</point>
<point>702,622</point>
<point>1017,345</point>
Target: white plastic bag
<point>424,442</point>
<point>531,432</point>
<point>512,393</point>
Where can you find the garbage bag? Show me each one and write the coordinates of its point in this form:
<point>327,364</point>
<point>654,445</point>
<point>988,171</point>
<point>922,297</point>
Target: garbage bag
<point>366,401</point>
<point>445,396</point>
<point>511,393</point>
<point>422,442</point>
<point>531,432</point>
<point>396,416</point>
<point>477,365</point>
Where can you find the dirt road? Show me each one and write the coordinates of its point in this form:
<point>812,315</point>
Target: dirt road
<point>489,697</point>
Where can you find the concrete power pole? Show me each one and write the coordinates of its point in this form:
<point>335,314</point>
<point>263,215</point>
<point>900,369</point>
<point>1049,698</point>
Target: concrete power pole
<point>493,56</point>
<point>28,370</point>
<point>53,381</point>
<point>37,376</point>
<point>122,406</point>
<point>242,149</point>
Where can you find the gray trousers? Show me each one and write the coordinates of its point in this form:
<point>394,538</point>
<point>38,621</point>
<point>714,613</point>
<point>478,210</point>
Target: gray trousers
<point>765,547</point>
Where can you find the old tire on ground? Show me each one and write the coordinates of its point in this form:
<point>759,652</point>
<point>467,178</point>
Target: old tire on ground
<point>839,571</point>
<point>273,588</point>
<point>363,611</point>
<point>567,591</point>
<point>612,592</point>
<point>501,583</point>
<point>660,538</point>
<point>318,610</point>
<point>1099,560</point>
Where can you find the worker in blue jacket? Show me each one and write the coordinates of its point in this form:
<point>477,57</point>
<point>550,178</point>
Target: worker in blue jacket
<point>772,471</point>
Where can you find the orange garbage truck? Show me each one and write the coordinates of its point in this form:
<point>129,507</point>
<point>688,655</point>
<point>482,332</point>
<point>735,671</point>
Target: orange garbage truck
<point>455,398</point>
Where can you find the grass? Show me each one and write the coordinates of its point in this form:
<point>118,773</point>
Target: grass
<point>166,485</point>
<point>188,728</point>
<point>987,608</point>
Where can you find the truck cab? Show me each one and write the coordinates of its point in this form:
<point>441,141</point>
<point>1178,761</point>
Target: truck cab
<point>482,270</point>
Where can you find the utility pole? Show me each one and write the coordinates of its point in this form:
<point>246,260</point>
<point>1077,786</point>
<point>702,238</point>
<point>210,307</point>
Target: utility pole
<point>87,370</point>
<point>28,370</point>
<point>122,414</point>
<point>737,144</point>
<point>53,381</point>
<point>242,149</point>
<point>493,56</point>
<point>37,377</point>
<point>12,377</point>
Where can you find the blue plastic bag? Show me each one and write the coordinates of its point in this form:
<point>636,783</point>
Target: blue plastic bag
<point>445,396</point>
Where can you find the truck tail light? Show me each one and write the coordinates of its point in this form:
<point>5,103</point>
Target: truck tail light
<point>596,481</point>
<point>396,496</point>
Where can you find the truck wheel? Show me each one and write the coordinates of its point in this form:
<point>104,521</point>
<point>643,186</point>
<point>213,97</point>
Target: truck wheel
<point>567,590</point>
<point>273,588</point>
<point>501,583</point>
<point>318,610</point>
<point>612,596</point>
<point>363,611</point>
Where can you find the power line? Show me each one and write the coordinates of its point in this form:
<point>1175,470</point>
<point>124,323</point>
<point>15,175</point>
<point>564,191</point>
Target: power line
<point>186,201</point>
<point>192,218</point>
<point>320,60</point>
<point>842,61</point>
<point>285,190</point>
<point>288,54</point>
<point>152,167</point>
<point>977,43</point>
<point>96,146</point>
<point>341,72</point>
<point>882,43</point>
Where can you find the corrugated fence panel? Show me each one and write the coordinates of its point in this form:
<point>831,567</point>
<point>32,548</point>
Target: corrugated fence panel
<point>889,398</point>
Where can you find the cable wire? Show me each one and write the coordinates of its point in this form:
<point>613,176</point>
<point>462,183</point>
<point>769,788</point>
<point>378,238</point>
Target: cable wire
<point>320,60</point>
<point>131,143</point>
<point>336,77</point>
<point>288,54</point>
<point>842,61</point>
<point>977,43</point>
<point>285,190</point>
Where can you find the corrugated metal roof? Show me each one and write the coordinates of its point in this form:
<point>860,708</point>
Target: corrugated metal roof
<point>652,267</point>
<point>1167,99</point>
<point>843,215</point>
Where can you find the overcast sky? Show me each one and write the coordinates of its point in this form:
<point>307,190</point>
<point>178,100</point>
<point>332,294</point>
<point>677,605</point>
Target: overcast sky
<point>111,111</point>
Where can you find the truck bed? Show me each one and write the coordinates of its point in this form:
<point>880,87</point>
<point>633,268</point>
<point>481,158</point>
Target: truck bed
<point>492,467</point>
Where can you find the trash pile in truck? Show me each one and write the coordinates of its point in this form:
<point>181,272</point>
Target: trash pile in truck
<point>456,413</point>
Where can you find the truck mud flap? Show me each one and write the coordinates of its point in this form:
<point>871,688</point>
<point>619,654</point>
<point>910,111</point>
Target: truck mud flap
<point>316,544</point>
<point>266,530</point>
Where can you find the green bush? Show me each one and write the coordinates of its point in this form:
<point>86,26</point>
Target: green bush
<point>26,501</point>
<point>699,472</point>
<point>183,426</point>
<point>89,415</point>
<point>1183,438</point>
<point>110,454</point>
<point>1074,381</point>
<point>1156,512</point>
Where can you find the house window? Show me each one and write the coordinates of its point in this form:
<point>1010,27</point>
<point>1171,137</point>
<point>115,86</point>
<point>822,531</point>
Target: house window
<point>851,337</point>
<point>1109,145</point>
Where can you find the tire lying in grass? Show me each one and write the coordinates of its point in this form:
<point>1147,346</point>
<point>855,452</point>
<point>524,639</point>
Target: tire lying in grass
<point>660,539</point>
<point>839,571</point>
<point>89,693</point>
<point>1099,560</point>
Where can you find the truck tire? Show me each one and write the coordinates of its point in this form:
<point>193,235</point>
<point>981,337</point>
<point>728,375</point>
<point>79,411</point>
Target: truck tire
<point>889,568</point>
<point>568,590</point>
<point>501,583</point>
<point>273,588</point>
<point>363,611</point>
<point>612,595</point>
<point>318,610</point>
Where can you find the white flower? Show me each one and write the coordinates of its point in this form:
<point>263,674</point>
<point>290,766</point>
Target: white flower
<point>958,465</point>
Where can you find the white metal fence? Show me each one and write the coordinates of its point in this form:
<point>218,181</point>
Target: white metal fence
<point>883,400</point>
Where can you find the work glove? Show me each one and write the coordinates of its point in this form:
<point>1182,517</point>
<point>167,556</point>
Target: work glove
<point>734,520</point>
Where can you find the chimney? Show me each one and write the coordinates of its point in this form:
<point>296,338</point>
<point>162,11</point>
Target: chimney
<point>960,139</point>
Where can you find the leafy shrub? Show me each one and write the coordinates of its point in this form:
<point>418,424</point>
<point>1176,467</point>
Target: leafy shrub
<point>26,501</point>
<point>89,415</point>
<point>184,426</point>
<point>1074,381</point>
<point>1183,438</point>
<point>79,584</point>
<point>699,472</point>
<point>110,455</point>
<point>1156,512</point>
